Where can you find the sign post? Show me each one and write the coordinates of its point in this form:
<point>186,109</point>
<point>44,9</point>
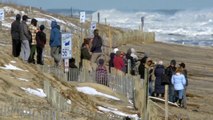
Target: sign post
<point>92,28</point>
<point>66,49</point>
<point>1,17</point>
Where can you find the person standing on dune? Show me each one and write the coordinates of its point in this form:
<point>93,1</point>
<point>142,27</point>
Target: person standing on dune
<point>15,33</point>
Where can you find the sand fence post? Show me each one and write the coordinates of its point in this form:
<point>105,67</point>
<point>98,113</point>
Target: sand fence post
<point>166,103</point>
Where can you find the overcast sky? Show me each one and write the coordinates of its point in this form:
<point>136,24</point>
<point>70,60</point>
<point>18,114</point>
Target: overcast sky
<point>118,4</point>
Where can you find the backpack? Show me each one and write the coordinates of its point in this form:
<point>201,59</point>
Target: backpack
<point>165,79</point>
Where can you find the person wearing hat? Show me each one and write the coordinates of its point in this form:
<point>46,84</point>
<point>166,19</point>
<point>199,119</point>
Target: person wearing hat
<point>25,37</point>
<point>33,30</point>
<point>112,55</point>
<point>101,73</point>
<point>171,70</point>
<point>55,42</point>
<point>15,33</point>
<point>41,41</point>
<point>184,71</point>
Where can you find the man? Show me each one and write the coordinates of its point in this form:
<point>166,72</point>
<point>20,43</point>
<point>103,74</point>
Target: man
<point>33,30</point>
<point>184,71</point>
<point>96,46</point>
<point>171,70</point>
<point>15,33</point>
<point>25,36</point>
<point>55,42</point>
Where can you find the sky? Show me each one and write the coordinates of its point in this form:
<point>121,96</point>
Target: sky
<point>118,4</point>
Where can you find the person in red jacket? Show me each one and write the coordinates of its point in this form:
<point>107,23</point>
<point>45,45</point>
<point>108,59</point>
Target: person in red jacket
<point>118,61</point>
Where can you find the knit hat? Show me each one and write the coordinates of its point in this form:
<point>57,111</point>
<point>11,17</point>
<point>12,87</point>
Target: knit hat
<point>115,50</point>
<point>182,65</point>
<point>101,61</point>
<point>173,62</point>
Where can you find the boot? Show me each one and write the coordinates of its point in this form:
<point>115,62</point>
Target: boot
<point>180,103</point>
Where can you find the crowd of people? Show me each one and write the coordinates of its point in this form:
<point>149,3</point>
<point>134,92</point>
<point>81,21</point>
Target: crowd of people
<point>28,40</point>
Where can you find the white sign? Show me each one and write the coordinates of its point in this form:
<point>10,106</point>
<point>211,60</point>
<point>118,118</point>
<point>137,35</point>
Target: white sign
<point>82,17</point>
<point>66,49</point>
<point>66,65</point>
<point>92,28</point>
<point>1,14</point>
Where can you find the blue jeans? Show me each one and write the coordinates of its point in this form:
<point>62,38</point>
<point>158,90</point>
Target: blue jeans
<point>171,93</point>
<point>179,93</point>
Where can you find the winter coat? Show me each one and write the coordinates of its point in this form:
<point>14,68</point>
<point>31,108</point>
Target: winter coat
<point>85,54</point>
<point>112,55</point>
<point>41,39</point>
<point>55,35</point>
<point>15,30</point>
<point>179,81</point>
<point>97,44</point>
<point>118,63</point>
<point>169,72</point>
<point>33,31</point>
<point>133,63</point>
<point>101,75</point>
<point>159,71</point>
<point>24,31</point>
<point>186,76</point>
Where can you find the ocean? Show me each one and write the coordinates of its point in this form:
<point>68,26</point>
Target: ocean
<point>188,27</point>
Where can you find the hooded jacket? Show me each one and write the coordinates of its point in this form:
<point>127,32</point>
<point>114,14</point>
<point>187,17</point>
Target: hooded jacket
<point>55,35</point>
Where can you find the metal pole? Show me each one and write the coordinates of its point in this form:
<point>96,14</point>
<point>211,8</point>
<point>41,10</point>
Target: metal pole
<point>166,103</point>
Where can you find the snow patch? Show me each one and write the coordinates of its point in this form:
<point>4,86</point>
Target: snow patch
<point>22,79</point>
<point>92,91</point>
<point>38,92</point>
<point>115,111</point>
<point>11,67</point>
<point>8,9</point>
<point>13,62</point>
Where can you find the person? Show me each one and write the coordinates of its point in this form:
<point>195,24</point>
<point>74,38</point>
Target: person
<point>41,41</point>
<point>96,48</point>
<point>55,42</point>
<point>15,33</point>
<point>123,56</point>
<point>159,71</point>
<point>112,56</point>
<point>74,72</point>
<point>170,70</point>
<point>86,54</point>
<point>150,66</point>
<point>179,82</point>
<point>185,73</point>
<point>118,61</point>
<point>25,37</point>
<point>72,63</point>
<point>141,68</point>
<point>33,30</point>
<point>101,73</point>
<point>131,55</point>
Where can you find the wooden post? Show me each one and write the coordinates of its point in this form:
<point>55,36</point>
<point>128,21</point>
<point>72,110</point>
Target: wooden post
<point>110,40</point>
<point>128,66</point>
<point>146,95</point>
<point>166,103</point>
<point>0,25</point>
<point>98,17</point>
<point>105,21</point>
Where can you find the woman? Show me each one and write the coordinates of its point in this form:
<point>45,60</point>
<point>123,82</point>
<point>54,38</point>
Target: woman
<point>179,82</point>
<point>159,71</point>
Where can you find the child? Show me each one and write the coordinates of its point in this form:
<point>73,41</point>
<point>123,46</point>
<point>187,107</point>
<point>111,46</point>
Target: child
<point>101,73</point>
<point>41,41</point>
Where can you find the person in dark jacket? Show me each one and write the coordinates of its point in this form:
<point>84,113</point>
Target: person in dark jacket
<point>25,37</point>
<point>112,55</point>
<point>159,71</point>
<point>185,73</point>
<point>55,42</point>
<point>41,41</point>
<point>171,70</point>
<point>15,33</point>
<point>96,48</point>
<point>141,67</point>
